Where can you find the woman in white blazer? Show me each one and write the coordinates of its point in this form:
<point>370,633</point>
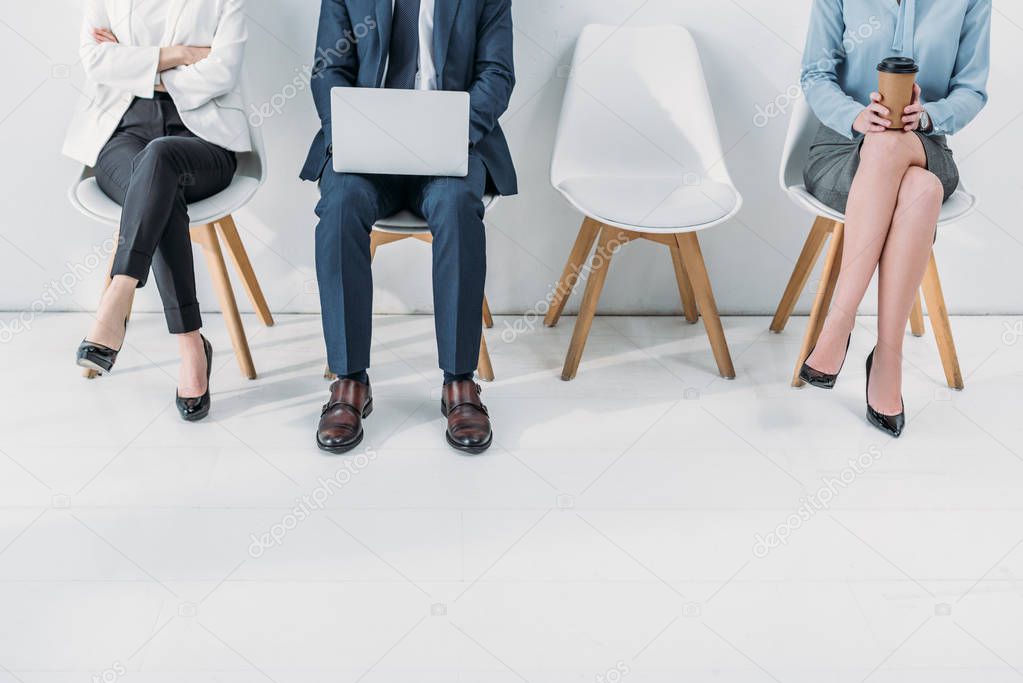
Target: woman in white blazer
<point>161,129</point>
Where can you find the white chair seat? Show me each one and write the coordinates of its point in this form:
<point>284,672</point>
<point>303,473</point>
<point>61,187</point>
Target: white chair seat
<point>960,204</point>
<point>407,223</point>
<point>660,204</point>
<point>91,200</point>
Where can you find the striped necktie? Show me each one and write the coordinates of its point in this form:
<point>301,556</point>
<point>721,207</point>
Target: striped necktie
<point>404,55</point>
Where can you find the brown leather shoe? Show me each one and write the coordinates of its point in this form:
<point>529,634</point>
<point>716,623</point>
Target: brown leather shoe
<point>340,427</point>
<point>468,420</point>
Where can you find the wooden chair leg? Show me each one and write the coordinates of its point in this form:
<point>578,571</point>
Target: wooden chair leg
<point>692,256</point>
<point>488,317</point>
<point>588,309</point>
<point>825,292</point>
<point>240,257</point>
<point>485,370</point>
<point>685,286</point>
<point>941,325</point>
<point>801,273</point>
<point>916,318</point>
<point>206,236</point>
<point>379,239</point>
<point>580,250</point>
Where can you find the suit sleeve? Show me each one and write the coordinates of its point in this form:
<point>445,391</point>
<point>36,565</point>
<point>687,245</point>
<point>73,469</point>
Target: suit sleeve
<point>195,85</point>
<point>128,68</point>
<point>824,52</point>
<point>336,62</point>
<point>968,88</point>
<point>494,77</point>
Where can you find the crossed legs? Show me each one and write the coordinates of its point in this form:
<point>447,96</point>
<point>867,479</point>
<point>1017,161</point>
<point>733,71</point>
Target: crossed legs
<point>153,180</point>
<point>890,222</point>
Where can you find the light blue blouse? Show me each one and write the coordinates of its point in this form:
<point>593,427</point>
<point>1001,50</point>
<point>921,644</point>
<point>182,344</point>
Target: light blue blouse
<point>950,39</point>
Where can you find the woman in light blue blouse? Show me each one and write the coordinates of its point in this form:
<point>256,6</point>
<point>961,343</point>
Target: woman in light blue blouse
<point>889,183</point>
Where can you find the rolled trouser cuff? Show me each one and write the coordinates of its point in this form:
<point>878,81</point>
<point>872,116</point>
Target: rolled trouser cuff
<point>183,319</point>
<point>135,264</point>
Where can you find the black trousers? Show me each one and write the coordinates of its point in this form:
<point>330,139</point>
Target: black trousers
<point>153,166</point>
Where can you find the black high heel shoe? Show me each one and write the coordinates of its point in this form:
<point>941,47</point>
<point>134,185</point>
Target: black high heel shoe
<point>194,409</point>
<point>819,379</point>
<point>97,357</point>
<point>893,424</point>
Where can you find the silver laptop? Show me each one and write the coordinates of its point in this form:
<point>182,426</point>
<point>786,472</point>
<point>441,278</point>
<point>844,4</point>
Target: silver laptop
<point>400,132</point>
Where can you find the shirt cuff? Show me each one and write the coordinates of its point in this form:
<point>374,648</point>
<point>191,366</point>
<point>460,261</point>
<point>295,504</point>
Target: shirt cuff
<point>146,91</point>
<point>940,113</point>
<point>845,118</point>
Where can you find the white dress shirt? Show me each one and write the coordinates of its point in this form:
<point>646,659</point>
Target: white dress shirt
<point>426,78</point>
<point>149,21</point>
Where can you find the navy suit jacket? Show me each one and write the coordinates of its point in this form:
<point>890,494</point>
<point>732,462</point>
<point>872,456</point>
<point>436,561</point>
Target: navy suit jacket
<point>472,48</point>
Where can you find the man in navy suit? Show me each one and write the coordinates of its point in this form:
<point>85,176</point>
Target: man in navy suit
<point>457,45</point>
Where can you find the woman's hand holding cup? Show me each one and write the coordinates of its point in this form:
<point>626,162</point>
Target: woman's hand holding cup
<point>911,117</point>
<point>872,119</point>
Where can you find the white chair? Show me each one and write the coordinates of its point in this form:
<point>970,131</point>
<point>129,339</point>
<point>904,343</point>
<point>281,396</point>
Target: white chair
<point>802,129</point>
<point>206,218</point>
<point>406,224</point>
<point>638,153</point>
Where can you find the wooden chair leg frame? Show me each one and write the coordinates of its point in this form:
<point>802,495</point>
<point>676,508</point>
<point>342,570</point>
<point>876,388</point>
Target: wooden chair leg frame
<point>694,287</point>
<point>485,369</point>
<point>206,237</point>
<point>825,292</point>
<point>240,258</point>
<point>822,227</point>
<point>942,326</point>
<point>931,288</point>
<point>916,318</point>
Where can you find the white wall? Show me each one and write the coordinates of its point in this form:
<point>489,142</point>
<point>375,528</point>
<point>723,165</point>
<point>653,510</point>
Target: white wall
<point>751,51</point>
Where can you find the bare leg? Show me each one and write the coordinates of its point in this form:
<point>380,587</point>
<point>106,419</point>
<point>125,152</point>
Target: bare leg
<point>114,307</point>
<point>903,263</point>
<point>884,160</point>
<point>192,373</point>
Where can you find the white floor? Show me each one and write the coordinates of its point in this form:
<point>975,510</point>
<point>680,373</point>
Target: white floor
<point>611,533</point>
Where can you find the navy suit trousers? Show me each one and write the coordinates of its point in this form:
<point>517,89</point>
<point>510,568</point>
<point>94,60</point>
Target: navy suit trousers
<point>453,207</point>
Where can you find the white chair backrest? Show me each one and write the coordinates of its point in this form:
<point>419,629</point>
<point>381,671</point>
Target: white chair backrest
<point>802,130</point>
<point>253,164</point>
<point>637,105</point>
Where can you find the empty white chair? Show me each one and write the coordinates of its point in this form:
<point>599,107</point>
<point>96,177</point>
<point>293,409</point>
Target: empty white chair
<point>638,153</point>
<point>406,224</point>
<point>802,129</point>
<point>206,218</point>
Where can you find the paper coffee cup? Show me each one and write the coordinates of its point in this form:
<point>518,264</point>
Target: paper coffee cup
<point>896,77</point>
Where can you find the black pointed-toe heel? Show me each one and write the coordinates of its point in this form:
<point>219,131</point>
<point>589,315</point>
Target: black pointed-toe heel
<point>194,409</point>
<point>892,424</point>
<point>97,357</point>
<point>822,380</point>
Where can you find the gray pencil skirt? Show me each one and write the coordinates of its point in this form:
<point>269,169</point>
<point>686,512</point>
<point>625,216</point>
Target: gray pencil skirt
<point>834,159</point>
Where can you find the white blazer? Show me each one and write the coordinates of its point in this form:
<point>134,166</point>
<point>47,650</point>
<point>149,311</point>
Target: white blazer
<point>207,94</point>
